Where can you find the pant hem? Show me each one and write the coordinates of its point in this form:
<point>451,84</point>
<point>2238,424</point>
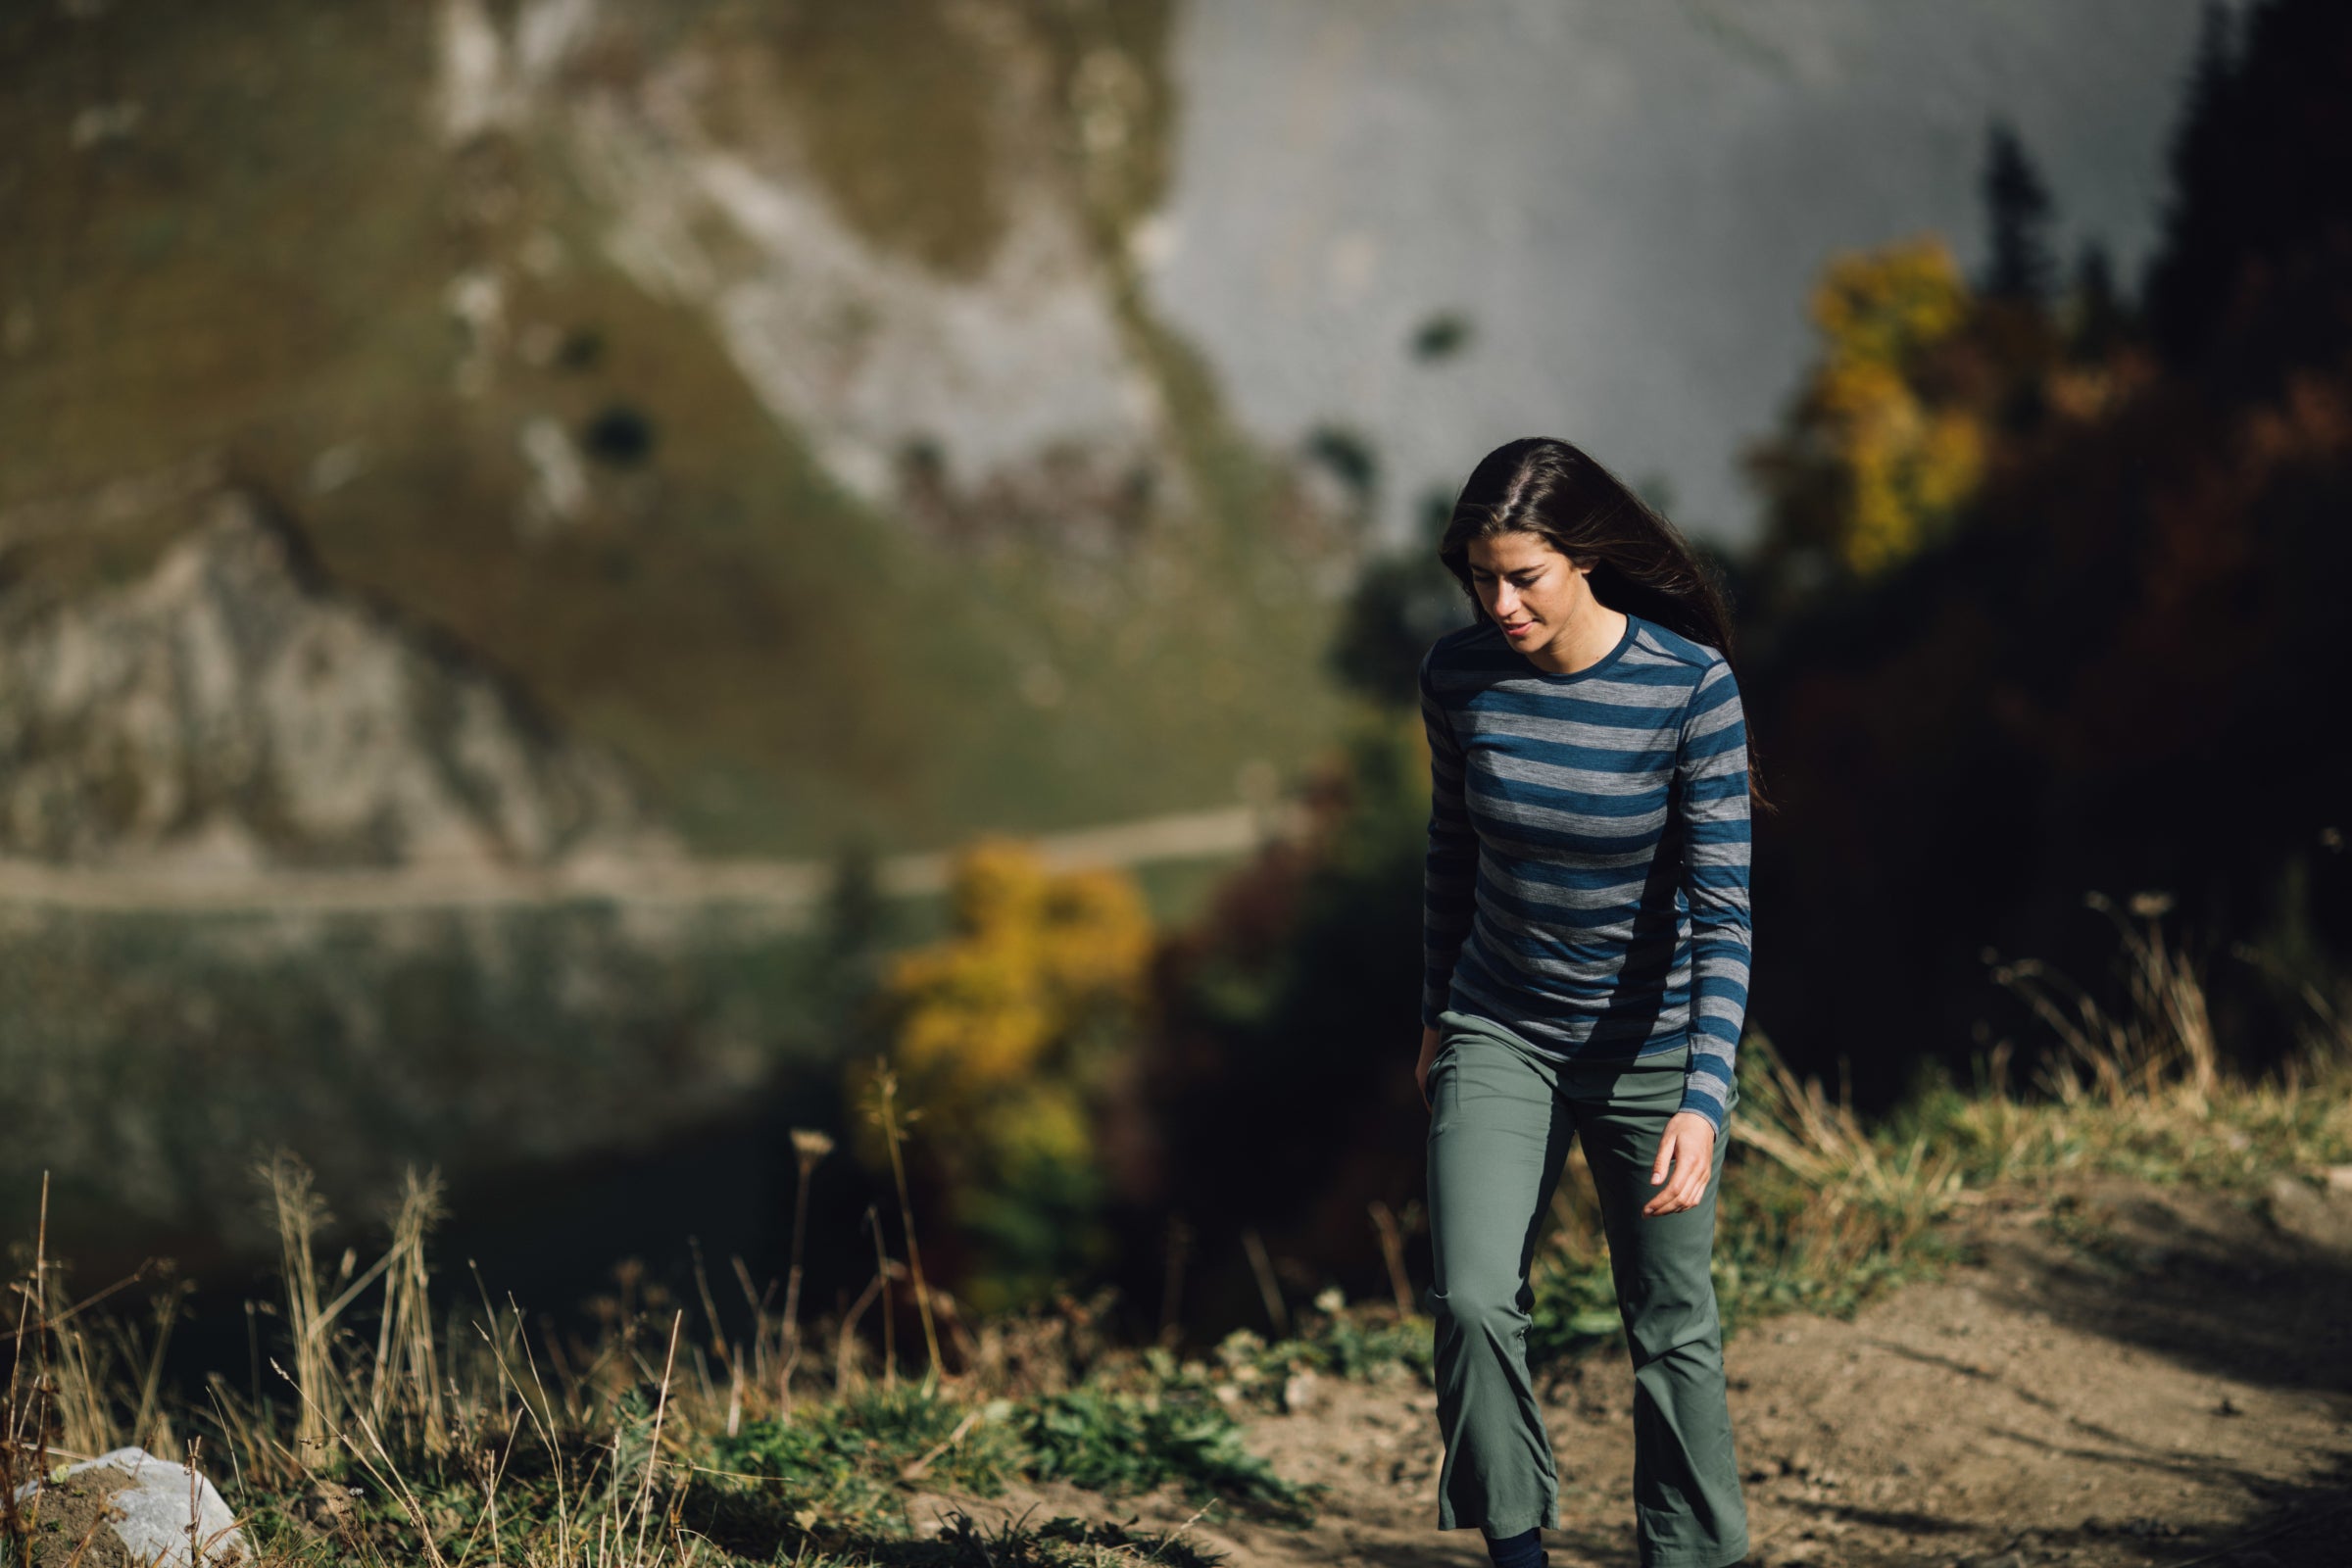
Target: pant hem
<point>1549,1521</point>
<point>1710,1560</point>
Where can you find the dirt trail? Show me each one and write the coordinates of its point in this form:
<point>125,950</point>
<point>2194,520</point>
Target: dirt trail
<point>793,888</point>
<point>2124,1376</point>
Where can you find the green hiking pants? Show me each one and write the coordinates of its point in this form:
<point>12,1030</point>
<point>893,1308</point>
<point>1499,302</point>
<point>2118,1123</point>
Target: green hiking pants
<point>1502,1119</point>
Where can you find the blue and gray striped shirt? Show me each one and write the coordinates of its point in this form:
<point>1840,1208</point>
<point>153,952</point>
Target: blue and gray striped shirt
<point>1586,877</point>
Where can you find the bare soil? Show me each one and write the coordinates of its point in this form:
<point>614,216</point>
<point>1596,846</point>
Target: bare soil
<point>75,1528</point>
<point>2122,1375</point>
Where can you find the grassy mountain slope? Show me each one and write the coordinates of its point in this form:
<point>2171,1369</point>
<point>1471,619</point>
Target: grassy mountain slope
<point>253,237</point>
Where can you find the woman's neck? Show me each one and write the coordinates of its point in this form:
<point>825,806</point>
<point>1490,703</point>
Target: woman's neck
<point>1582,643</point>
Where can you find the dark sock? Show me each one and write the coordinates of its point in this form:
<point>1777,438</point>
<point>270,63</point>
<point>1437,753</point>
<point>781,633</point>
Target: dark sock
<point>1525,1551</point>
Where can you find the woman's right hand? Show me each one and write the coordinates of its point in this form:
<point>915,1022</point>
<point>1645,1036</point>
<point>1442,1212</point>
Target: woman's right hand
<point>1429,1054</point>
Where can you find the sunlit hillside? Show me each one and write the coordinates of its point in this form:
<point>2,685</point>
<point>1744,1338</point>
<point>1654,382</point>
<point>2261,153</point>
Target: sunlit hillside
<point>762,390</point>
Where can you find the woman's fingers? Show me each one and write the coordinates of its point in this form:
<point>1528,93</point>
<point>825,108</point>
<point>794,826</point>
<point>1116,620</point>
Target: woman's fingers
<point>1690,1158</point>
<point>1665,1203</point>
<point>1690,1184</point>
<point>1678,1196</point>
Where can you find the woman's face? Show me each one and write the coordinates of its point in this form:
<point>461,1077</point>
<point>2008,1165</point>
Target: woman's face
<point>1533,592</point>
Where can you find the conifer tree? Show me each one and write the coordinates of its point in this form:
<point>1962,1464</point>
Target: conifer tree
<point>2100,320</point>
<point>2017,210</point>
<point>2244,284</point>
<point>2193,266</point>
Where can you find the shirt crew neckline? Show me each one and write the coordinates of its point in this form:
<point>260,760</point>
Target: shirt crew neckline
<point>1624,639</point>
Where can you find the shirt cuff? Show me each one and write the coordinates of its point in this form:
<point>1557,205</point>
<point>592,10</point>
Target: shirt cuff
<point>1704,1094</point>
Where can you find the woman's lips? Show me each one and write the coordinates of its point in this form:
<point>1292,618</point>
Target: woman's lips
<point>1515,630</point>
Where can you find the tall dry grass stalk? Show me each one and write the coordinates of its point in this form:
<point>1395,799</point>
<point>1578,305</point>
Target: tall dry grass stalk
<point>2162,1039</point>
<point>2324,1038</point>
<point>150,1426</point>
<point>380,1410</point>
<point>70,1371</point>
<point>848,1350</point>
<point>2143,1089</point>
<point>1392,1252</point>
<point>653,1446</point>
<point>810,1146</point>
<point>407,1376</point>
<point>883,1269</point>
<point>403,1384</point>
<point>24,1419</point>
<point>893,1120</point>
<point>77,1392</point>
<point>1178,1248</point>
<point>300,1214</point>
<point>88,1360</point>
<point>1269,1289</point>
<point>1823,1144</point>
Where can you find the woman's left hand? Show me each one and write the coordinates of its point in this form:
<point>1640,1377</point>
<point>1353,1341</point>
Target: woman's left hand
<point>1685,1159</point>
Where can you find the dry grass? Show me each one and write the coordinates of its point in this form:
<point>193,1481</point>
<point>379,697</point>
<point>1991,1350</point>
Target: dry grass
<point>388,1411</point>
<point>670,1439</point>
<point>479,1444</point>
<point>1826,1209</point>
<point>2146,1091</point>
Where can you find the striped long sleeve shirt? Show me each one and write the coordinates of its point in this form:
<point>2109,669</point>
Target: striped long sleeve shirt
<point>1585,884</point>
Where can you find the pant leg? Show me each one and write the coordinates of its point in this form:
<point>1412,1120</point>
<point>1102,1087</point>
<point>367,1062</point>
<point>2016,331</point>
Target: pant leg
<point>1688,1509</point>
<point>1497,1135</point>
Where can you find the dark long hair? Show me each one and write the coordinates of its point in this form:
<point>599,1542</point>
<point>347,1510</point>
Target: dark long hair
<point>1641,565</point>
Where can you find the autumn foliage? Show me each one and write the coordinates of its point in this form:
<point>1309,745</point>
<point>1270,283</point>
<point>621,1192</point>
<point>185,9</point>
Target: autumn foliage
<point>2049,599</point>
<point>1923,390</point>
<point>1005,1034</point>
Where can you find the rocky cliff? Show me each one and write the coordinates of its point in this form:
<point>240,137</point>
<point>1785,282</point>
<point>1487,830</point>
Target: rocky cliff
<point>769,390</point>
<point>232,709</point>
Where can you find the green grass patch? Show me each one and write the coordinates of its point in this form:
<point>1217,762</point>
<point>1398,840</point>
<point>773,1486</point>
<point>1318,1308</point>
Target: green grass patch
<point>1115,1442</point>
<point>844,1460</point>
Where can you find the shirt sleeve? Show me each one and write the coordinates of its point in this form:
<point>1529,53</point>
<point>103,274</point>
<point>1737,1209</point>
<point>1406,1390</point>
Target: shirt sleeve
<point>1450,871</point>
<point>1710,786</point>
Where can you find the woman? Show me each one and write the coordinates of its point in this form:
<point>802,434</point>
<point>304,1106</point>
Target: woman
<point>1586,926</point>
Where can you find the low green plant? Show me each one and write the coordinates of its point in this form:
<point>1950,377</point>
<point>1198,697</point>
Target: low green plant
<point>1067,1541</point>
<point>1360,1339</point>
<point>846,1458</point>
<point>1337,1338</point>
<point>1119,1442</point>
<point>1575,1305</point>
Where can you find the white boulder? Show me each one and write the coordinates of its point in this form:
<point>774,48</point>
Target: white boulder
<point>159,1510</point>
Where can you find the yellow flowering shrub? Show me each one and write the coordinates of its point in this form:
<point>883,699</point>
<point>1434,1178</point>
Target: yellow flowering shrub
<point>1033,955</point>
<point>1884,306</point>
<point>1890,434</point>
<point>1001,1032</point>
<point>1908,457</point>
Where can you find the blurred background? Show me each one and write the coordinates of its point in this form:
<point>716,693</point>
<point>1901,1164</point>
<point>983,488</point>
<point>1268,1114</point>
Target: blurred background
<point>575,572</point>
